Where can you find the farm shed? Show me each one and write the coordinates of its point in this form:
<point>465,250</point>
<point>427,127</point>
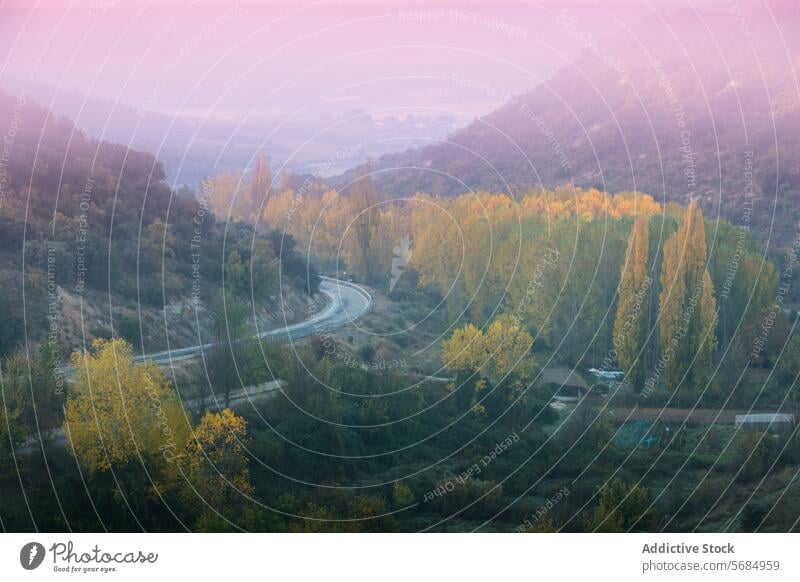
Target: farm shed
<point>777,422</point>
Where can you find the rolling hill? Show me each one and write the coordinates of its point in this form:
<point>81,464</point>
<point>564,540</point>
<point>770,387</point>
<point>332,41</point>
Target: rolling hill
<point>693,105</point>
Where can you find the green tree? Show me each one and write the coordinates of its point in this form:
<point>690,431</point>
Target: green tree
<point>228,326</point>
<point>622,507</point>
<point>265,269</point>
<point>402,496</point>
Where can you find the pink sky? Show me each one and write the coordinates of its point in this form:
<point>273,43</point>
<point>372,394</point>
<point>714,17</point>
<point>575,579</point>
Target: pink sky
<point>269,58</point>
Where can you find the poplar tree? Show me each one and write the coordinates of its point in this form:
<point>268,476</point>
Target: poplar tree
<point>630,325</point>
<point>362,239</point>
<point>688,317</point>
<point>260,189</point>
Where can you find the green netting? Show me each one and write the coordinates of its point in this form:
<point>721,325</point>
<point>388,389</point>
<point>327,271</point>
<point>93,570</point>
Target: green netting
<point>635,433</point>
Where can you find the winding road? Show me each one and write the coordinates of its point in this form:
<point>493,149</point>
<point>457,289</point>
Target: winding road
<point>346,303</point>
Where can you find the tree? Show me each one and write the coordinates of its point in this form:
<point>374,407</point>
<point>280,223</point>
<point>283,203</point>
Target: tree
<point>119,413</point>
<point>501,355</point>
<point>236,279</point>
<point>216,473</point>
<point>463,351</point>
<point>622,507</point>
<point>630,325</point>
<point>508,354</point>
<point>365,216</point>
<point>35,395</point>
<point>12,428</point>
<point>688,316</point>
<point>228,325</point>
<point>260,189</point>
<point>402,496</point>
<point>265,270</point>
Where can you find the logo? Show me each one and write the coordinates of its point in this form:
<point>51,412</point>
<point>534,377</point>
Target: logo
<point>31,555</point>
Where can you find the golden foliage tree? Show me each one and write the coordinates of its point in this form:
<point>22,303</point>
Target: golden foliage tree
<point>362,239</point>
<point>216,470</point>
<point>630,325</point>
<point>688,311</point>
<point>119,412</point>
<point>502,355</point>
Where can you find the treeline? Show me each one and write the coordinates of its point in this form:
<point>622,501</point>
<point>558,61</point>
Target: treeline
<point>133,455</point>
<point>81,215</point>
<point>602,280</point>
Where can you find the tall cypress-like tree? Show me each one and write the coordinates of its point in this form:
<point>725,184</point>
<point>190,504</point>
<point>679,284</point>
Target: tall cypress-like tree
<point>364,228</point>
<point>688,318</point>
<point>630,325</point>
<point>260,188</point>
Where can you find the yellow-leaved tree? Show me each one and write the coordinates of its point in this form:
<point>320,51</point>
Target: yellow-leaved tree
<point>119,412</point>
<point>630,325</point>
<point>501,355</point>
<point>217,479</point>
<point>688,309</point>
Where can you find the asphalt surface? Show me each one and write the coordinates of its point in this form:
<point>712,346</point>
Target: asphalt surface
<point>346,303</point>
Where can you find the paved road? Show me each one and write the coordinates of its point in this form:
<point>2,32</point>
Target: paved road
<point>346,303</point>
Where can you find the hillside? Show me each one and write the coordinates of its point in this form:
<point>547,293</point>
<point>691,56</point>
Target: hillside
<point>703,105</point>
<point>93,242</point>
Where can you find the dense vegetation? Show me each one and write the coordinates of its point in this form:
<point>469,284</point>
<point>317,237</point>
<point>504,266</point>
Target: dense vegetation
<point>689,307</point>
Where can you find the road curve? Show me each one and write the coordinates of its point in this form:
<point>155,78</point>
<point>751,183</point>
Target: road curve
<point>346,303</point>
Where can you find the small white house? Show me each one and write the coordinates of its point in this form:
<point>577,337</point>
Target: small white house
<point>777,422</point>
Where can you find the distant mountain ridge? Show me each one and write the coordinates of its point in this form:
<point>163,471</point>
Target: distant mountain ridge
<point>699,105</point>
